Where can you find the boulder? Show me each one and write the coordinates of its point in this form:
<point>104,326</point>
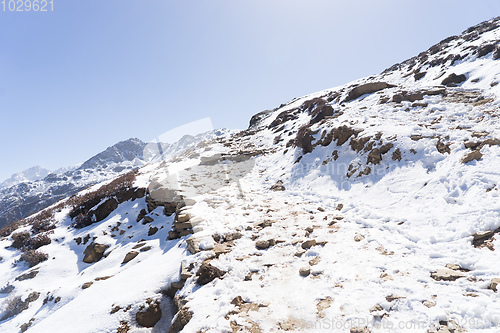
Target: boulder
<point>374,156</point>
<point>473,155</point>
<point>103,210</point>
<point>262,244</point>
<point>94,252</point>
<point>308,244</point>
<point>305,271</point>
<point>367,88</point>
<point>150,316</point>
<point>181,319</point>
<point>130,256</point>
<point>453,79</point>
<point>207,273</point>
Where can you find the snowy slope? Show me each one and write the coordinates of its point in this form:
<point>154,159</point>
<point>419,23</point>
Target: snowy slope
<point>370,207</point>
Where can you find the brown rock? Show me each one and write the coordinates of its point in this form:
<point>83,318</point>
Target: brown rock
<point>308,244</point>
<point>94,252</point>
<point>129,256</point>
<point>305,271</point>
<point>278,186</point>
<point>152,231</point>
<point>367,88</point>
<point>374,156</point>
<point>181,319</point>
<point>150,316</point>
<point>262,244</point>
<point>207,273</point>
<point>87,285</point>
<point>473,155</point>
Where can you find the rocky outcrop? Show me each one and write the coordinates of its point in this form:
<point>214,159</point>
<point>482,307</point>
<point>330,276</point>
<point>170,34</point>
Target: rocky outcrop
<point>367,88</point>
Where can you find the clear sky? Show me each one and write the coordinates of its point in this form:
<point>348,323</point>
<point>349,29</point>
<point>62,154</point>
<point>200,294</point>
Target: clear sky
<point>94,72</point>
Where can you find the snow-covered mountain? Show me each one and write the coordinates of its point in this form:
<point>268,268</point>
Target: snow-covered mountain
<point>369,207</point>
<point>31,174</point>
<point>35,189</point>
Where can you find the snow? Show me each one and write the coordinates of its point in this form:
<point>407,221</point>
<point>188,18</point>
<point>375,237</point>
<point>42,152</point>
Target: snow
<point>379,235</point>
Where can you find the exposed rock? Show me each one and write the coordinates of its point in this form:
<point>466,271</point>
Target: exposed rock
<point>94,252</point>
<point>183,217</point>
<point>473,155</point>
<point>238,300</point>
<point>485,49</point>
<point>396,155</point>
<point>384,149</point>
<point>7,289</point>
<point>278,186</point>
<point>418,76</point>
<point>376,308</point>
<point>494,284</point>
<point>456,267</point>
<point>152,231</point>
<point>446,274</point>
<point>367,88</point>
<point>304,139</point>
<point>141,215</point>
<point>262,244</point>
<point>385,276</point>
<point>87,285</point>
<point>308,244</point>
<point>320,113</point>
<point>453,79</point>
<point>150,316</point>
<point>147,219</point>
<point>358,238</point>
<point>305,271</point>
<point>429,304</point>
<point>181,319</point>
<point>442,147</point>
<point>343,133</point>
<point>104,209</point>
<point>27,276</point>
<point>207,273</point>
<point>374,156</point>
<point>129,256</point>
<point>484,239</point>
<point>232,236</point>
<point>392,298</point>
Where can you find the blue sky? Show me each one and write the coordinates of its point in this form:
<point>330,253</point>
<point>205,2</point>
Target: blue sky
<point>91,73</point>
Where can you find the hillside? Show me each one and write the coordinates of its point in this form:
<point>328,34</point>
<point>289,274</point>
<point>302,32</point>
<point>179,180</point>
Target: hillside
<point>369,207</point>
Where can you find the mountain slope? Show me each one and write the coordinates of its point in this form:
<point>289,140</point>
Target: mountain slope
<point>369,207</point>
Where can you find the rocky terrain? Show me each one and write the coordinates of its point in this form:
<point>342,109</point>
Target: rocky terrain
<point>369,207</point>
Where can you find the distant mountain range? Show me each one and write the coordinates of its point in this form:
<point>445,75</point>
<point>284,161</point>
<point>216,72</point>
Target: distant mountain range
<point>31,190</point>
